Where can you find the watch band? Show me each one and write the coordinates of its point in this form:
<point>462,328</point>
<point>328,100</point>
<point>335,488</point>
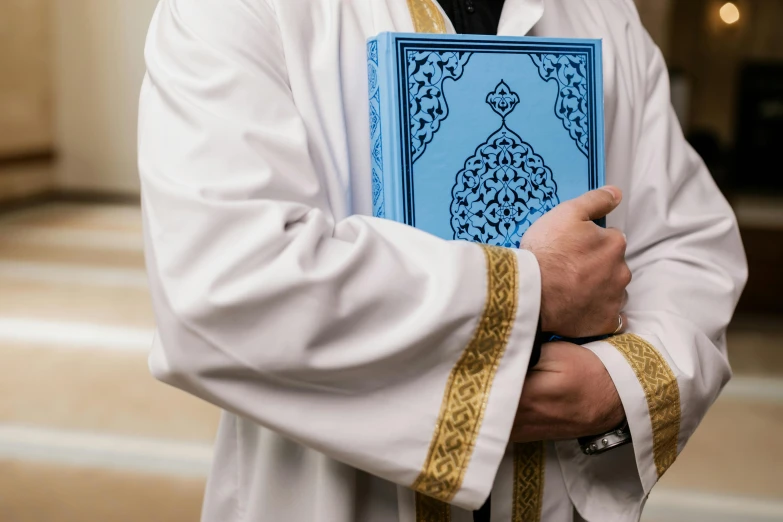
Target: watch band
<point>597,444</point>
<point>538,342</point>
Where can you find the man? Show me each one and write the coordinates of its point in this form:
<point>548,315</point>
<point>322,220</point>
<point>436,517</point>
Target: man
<point>371,372</point>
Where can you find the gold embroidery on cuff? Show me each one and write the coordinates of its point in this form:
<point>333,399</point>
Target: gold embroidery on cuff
<point>529,463</point>
<point>661,391</point>
<point>430,510</point>
<point>470,381</point>
<point>426,17</point>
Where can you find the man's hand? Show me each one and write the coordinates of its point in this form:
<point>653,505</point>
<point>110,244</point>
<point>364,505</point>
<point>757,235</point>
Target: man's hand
<point>569,394</point>
<point>583,270</point>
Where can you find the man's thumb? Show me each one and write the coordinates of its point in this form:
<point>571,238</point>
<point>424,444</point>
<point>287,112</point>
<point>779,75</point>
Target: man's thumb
<point>598,203</point>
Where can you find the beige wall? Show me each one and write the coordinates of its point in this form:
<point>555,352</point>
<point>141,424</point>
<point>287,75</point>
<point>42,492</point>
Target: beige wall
<point>98,70</point>
<point>25,77</point>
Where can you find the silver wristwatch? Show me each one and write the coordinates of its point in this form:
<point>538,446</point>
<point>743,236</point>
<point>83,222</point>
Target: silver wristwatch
<point>595,445</point>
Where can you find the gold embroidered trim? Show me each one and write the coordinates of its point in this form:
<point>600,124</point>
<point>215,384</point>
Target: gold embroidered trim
<point>529,465</point>
<point>661,391</point>
<point>426,17</point>
<point>470,381</point>
<point>430,510</point>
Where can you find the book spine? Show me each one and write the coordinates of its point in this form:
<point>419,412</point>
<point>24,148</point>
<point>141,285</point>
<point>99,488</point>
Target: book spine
<point>376,128</point>
<point>383,128</point>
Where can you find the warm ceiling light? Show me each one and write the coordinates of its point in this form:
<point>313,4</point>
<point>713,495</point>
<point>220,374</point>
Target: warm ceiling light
<point>729,13</point>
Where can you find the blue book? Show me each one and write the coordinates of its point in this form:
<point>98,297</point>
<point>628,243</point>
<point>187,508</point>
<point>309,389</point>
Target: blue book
<point>475,137</point>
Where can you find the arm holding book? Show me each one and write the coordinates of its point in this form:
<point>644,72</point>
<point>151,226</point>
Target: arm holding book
<point>689,269</point>
<point>346,333</point>
<point>569,393</point>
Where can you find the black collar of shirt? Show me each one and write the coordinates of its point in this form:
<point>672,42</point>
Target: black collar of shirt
<point>473,16</point>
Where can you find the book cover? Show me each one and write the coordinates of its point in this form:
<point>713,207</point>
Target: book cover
<point>475,137</point>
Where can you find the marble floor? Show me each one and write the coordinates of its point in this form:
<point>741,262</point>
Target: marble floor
<point>87,435</point>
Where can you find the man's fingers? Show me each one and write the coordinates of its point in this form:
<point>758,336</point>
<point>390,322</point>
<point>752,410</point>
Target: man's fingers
<point>597,203</point>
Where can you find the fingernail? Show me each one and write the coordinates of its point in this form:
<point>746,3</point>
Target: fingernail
<point>611,191</point>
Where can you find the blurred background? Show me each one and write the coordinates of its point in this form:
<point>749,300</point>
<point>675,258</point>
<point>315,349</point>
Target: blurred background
<point>87,435</point>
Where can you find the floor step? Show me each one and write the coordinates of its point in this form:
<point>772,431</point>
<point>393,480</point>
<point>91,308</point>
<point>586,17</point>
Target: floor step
<point>41,492</point>
<point>97,390</point>
<point>104,249</point>
<point>756,347</point>
<point>737,448</point>
<point>81,295</point>
<point>108,237</point>
<point>684,505</point>
<point>67,217</point>
<point>38,492</point>
<point>24,181</point>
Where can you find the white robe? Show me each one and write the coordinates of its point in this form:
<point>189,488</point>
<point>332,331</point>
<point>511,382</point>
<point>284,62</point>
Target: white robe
<point>333,340</point>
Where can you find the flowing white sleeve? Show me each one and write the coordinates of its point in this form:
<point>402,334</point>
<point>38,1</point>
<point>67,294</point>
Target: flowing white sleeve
<point>689,269</point>
<point>379,345</point>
